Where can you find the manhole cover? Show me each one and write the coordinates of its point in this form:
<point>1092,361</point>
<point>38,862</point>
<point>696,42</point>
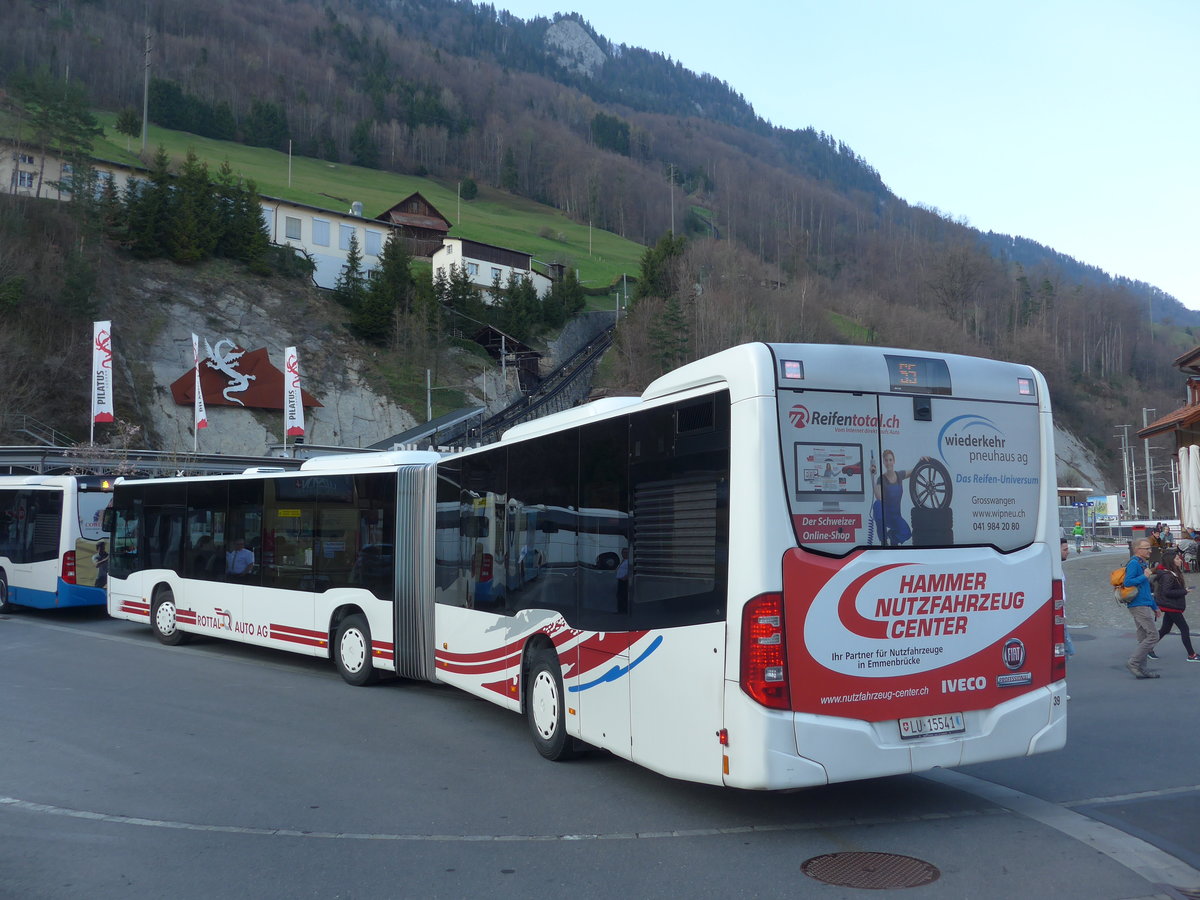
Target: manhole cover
<point>870,870</point>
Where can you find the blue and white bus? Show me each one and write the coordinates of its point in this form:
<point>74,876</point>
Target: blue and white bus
<point>53,550</point>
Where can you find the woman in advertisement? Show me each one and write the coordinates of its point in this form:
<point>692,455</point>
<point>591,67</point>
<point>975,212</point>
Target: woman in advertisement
<point>889,488</point>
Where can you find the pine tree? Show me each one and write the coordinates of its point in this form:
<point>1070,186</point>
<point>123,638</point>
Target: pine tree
<point>564,300</point>
<point>363,149</point>
<point>112,213</point>
<point>193,225</point>
<point>658,268</point>
<point>351,285</point>
<point>669,335</point>
<point>148,205</point>
<point>245,236</point>
<point>521,310</point>
<point>390,290</point>
<point>508,171</point>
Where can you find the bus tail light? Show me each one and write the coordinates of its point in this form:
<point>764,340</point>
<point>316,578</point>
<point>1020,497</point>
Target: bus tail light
<point>68,567</point>
<point>1058,633</point>
<point>764,653</point>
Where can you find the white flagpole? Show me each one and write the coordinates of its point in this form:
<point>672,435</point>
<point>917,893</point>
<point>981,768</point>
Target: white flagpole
<point>102,402</point>
<point>201,418</point>
<point>293,398</point>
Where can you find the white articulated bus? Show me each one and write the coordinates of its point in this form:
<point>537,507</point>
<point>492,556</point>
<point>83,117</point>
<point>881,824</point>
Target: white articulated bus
<point>52,544</point>
<point>837,563</point>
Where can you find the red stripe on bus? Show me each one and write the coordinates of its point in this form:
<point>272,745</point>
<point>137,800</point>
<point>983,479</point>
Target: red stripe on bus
<point>476,670</point>
<point>307,640</point>
<point>481,656</point>
<point>297,632</point>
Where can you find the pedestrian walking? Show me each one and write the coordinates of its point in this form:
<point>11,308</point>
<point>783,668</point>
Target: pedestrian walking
<point>1078,532</point>
<point>1171,592</point>
<point>1143,609</point>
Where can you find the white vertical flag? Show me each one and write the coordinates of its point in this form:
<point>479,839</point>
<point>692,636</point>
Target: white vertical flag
<point>293,400</point>
<point>102,402</point>
<point>201,416</point>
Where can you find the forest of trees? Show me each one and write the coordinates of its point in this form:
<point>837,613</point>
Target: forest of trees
<point>789,233</point>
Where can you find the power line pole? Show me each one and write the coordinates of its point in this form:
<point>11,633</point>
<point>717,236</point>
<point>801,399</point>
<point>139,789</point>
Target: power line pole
<point>1149,483</point>
<point>146,86</point>
<point>672,194</point>
<point>1131,495</point>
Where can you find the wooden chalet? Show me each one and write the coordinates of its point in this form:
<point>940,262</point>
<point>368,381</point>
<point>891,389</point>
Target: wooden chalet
<point>417,221</point>
<point>1185,421</point>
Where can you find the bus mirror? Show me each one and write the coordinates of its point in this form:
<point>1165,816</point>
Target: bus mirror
<point>106,520</point>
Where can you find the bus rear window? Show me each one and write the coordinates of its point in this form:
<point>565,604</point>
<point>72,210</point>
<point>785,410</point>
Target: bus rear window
<point>881,470</point>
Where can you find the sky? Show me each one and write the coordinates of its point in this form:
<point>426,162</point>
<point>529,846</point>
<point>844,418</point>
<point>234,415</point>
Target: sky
<point>1074,123</point>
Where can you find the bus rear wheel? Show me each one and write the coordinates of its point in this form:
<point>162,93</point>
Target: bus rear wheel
<point>352,651</point>
<point>164,620</point>
<point>545,707</point>
<point>5,606</point>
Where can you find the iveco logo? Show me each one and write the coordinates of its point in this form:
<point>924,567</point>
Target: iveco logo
<point>799,415</point>
<point>954,685</point>
<point>1014,654</point>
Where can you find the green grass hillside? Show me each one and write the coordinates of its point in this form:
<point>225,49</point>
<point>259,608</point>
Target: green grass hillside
<point>493,217</point>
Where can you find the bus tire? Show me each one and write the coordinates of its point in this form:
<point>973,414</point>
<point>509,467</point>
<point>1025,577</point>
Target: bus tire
<point>352,651</point>
<point>5,605</point>
<point>608,561</point>
<point>164,621</point>
<point>545,707</point>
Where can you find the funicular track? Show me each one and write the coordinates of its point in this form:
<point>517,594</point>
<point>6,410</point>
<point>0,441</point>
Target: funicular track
<point>565,387</point>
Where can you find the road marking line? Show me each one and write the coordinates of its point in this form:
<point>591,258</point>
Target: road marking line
<point>1133,853</point>
<point>47,809</point>
<point>1136,795</point>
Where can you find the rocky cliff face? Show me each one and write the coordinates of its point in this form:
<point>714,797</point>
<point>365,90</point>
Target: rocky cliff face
<point>573,48</point>
<point>159,308</point>
<point>1076,465</point>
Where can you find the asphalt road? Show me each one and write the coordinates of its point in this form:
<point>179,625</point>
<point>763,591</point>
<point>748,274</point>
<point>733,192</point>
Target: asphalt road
<point>132,770</point>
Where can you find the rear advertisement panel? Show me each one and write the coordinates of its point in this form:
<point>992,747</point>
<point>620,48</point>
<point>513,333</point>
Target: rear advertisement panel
<point>889,635</point>
<point>897,604</point>
<point>867,470</point>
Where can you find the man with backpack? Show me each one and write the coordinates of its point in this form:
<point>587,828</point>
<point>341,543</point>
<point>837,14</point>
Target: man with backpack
<point>1142,607</point>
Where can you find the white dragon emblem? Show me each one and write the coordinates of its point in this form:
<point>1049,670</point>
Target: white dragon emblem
<point>226,362</point>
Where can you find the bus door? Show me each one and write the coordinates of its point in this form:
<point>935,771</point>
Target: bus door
<point>206,542</point>
<point>281,599</point>
<point>91,545</point>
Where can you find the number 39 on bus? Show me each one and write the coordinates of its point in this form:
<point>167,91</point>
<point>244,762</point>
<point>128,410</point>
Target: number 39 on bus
<point>777,567</point>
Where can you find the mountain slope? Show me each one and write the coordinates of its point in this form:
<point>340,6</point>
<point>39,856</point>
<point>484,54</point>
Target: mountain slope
<point>625,140</point>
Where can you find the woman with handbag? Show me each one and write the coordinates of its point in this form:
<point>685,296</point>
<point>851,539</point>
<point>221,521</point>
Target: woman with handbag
<point>1171,595</point>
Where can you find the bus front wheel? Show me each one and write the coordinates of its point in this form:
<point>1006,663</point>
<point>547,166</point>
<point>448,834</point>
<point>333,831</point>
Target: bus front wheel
<point>352,651</point>
<point>164,621</point>
<point>5,606</point>
<point>545,707</point>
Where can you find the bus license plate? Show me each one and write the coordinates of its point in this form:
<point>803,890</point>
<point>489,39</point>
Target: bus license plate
<point>924,726</point>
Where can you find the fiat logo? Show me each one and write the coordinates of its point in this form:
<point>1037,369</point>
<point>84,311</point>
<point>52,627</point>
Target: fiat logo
<point>1014,654</point>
